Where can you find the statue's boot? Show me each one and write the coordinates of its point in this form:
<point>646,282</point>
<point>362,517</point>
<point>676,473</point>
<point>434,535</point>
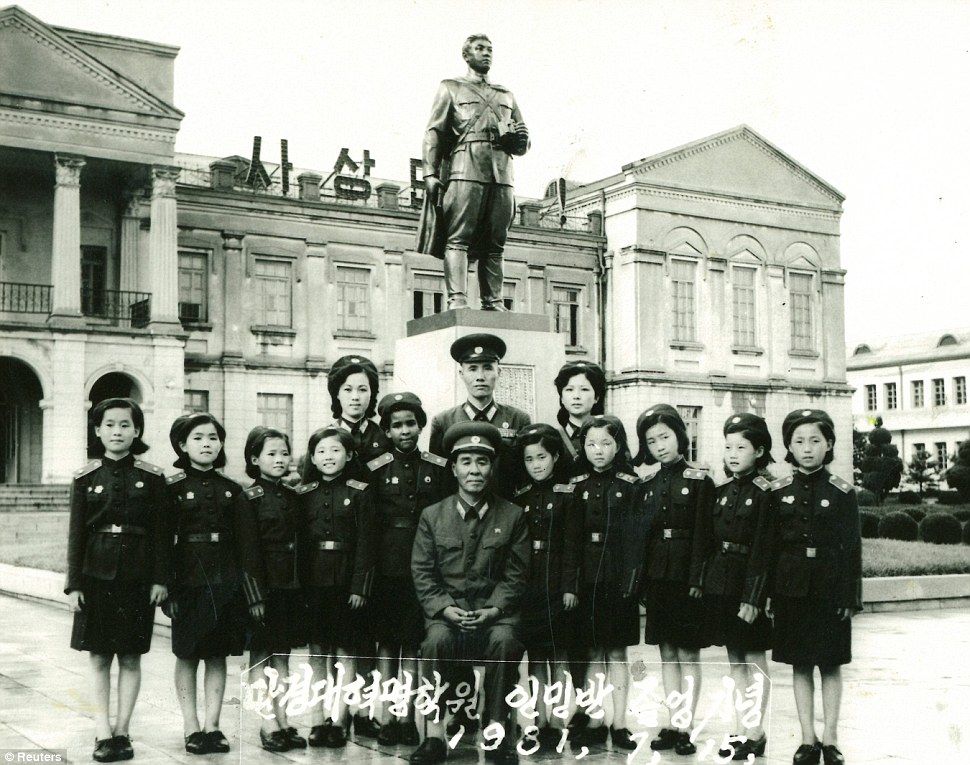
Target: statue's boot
<point>456,277</point>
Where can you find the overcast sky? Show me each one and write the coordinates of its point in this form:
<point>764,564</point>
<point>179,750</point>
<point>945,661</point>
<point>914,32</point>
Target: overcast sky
<point>871,96</point>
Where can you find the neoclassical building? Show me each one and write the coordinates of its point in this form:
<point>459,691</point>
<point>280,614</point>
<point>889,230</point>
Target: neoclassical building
<point>707,276</point>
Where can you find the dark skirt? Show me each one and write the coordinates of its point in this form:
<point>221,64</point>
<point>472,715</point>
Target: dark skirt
<point>673,616</point>
<point>116,618</point>
<point>395,613</point>
<point>209,622</point>
<point>809,632</point>
<point>331,621</point>
<point>545,623</point>
<point>284,623</point>
<point>606,619</point>
<point>724,627</point>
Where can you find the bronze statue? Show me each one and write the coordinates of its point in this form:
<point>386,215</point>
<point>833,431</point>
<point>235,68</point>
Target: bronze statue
<point>475,129</point>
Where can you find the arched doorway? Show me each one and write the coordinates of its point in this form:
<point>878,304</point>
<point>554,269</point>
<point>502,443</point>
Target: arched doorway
<point>21,423</point>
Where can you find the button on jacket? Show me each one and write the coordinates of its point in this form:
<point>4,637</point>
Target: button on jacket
<point>268,519</point>
<point>677,494</point>
<point>819,548</point>
<point>556,530</point>
<point>741,518</point>
<point>405,484</point>
<point>202,505</point>
<point>339,514</point>
<point>123,493</point>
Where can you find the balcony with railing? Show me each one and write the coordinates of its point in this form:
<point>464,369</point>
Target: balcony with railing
<point>19,298</point>
<point>117,308</point>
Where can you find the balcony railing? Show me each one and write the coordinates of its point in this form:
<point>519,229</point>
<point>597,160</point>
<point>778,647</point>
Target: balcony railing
<point>118,308</point>
<point>16,297</point>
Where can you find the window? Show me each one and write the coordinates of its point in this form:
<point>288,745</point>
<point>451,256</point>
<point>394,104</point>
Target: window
<point>691,416</point>
<point>94,274</point>
<point>802,330</point>
<point>871,405</point>
<point>939,393</point>
<point>940,447</point>
<point>682,273</point>
<point>353,299</point>
<point>274,292</point>
<point>508,295</point>
<point>960,390</point>
<point>890,393</point>
<point>275,410</point>
<point>196,401</point>
<point>429,294</point>
<point>742,288</point>
<point>193,284</point>
<point>565,303</point>
<point>918,401</point>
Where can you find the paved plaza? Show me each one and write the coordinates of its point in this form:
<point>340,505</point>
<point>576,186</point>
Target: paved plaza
<point>906,698</point>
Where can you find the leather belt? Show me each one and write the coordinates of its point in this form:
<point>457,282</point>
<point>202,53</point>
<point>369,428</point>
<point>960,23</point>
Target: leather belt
<point>280,546</point>
<point>331,544</point>
<point>112,528</point>
<point>400,523</point>
<point>677,533</point>
<point>734,547</point>
<point>214,536</point>
<point>807,552</point>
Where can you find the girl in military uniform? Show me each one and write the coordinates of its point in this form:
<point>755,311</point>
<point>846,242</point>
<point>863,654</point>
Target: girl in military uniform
<point>268,522</point>
<point>551,596</point>
<point>581,386</point>
<point>730,565</point>
<point>117,563</point>
<point>614,526</point>
<point>817,577</point>
<point>338,542</point>
<point>206,603</point>
<point>353,384</point>
<point>678,495</point>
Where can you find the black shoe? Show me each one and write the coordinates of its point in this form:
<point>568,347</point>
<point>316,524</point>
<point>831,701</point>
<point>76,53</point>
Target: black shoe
<point>751,746</point>
<point>831,755</point>
<point>621,738</point>
<point>104,750</point>
<point>725,752</point>
<point>549,738</point>
<point>294,739</point>
<point>217,741</point>
<point>196,743</point>
<point>808,754</point>
<point>459,720</point>
<point>407,733</point>
<point>336,737</point>
<point>122,747</point>
<point>431,751</point>
<point>318,734</point>
<point>390,734</point>
<point>684,745</point>
<point>504,754</point>
<point>274,742</point>
<point>366,726</point>
<point>597,735</point>
<point>579,721</point>
<point>666,739</point>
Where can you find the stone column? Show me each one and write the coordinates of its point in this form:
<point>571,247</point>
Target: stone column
<point>66,252</point>
<point>130,226</point>
<point>163,247</point>
<point>234,297</point>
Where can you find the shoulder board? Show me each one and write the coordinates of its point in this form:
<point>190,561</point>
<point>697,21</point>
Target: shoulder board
<point>627,477</point>
<point>303,488</point>
<point>762,483</point>
<point>179,476</point>
<point>564,488</point>
<point>356,484</point>
<point>781,483</point>
<point>841,484</point>
<point>579,478</point>
<point>651,476</point>
<point>523,490</point>
<point>694,474</point>
<point>724,482</point>
<point>89,468</point>
<point>253,492</point>
<point>499,88</point>
<point>148,467</point>
<point>434,459</point>
<point>379,462</point>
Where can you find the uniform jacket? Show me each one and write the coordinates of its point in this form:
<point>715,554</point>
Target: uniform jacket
<point>268,520</point>
<point>740,517</point>
<point>123,493</point>
<point>339,513</point>
<point>817,539</point>
<point>203,503</point>
<point>556,533</point>
<point>404,484</point>
<point>489,571</point>
<point>467,119</point>
<point>678,496</point>
<point>370,441</point>
<point>615,525</point>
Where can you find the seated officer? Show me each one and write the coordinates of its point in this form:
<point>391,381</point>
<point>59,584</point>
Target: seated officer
<point>478,357</point>
<point>470,564</point>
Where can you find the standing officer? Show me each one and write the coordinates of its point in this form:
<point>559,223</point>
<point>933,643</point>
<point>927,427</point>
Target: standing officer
<point>478,358</point>
<point>474,130</point>
<point>470,564</point>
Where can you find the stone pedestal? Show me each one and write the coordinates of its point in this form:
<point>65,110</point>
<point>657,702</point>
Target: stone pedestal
<point>423,363</point>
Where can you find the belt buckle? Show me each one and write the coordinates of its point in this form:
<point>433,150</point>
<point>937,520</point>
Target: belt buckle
<point>536,544</point>
<point>175,539</point>
<point>811,552</point>
<point>115,528</point>
<point>594,537</point>
<point>214,536</point>
<point>725,547</point>
<point>668,533</point>
<point>328,544</point>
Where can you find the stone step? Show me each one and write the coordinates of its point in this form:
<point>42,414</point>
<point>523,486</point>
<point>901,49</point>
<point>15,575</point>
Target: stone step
<point>18,498</point>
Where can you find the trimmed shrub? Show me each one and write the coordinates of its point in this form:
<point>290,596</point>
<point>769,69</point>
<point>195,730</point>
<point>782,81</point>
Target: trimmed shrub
<point>866,498</point>
<point>966,533</point>
<point>962,515</point>
<point>870,524</point>
<point>940,529</point>
<point>949,497</point>
<point>898,525</point>
<point>910,498</point>
<point>916,513</point>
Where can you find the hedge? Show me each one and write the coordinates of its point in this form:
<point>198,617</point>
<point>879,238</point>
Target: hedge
<point>898,525</point>
<point>870,524</point>
<point>940,529</point>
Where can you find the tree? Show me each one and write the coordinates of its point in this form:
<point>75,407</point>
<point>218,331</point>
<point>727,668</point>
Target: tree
<point>859,442</point>
<point>922,471</point>
<point>958,476</point>
<point>881,467</point>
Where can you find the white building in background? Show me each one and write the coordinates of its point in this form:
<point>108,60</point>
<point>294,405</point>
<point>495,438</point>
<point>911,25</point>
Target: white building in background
<point>918,385</point>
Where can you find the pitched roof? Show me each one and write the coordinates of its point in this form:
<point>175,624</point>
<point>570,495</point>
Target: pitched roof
<point>905,349</point>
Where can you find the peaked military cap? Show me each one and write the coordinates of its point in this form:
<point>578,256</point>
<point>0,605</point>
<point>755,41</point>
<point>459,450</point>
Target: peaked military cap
<point>478,347</point>
<point>472,437</point>
<point>403,400</point>
<point>805,417</point>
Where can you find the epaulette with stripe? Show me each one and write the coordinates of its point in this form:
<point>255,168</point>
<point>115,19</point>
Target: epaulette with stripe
<point>762,483</point>
<point>89,468</point>
<point>179,476</point>
<point>379,462</point>
<point>523,490</point>
<point>578,478</point>
<point>841,484</point>
<point>781,483</point>
<point>303,488</point>
<point>694,474</point>
<point>434,459</point>
<point>360,485</point>
<point>148,467</point>
<point>253,492</point>
<point>627,477</point>
<point>651,476</point>
<point>564,488</point>
<point>724,482</point>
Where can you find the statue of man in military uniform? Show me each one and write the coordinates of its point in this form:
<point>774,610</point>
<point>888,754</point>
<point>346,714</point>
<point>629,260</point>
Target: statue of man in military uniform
<point>474,131</point>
